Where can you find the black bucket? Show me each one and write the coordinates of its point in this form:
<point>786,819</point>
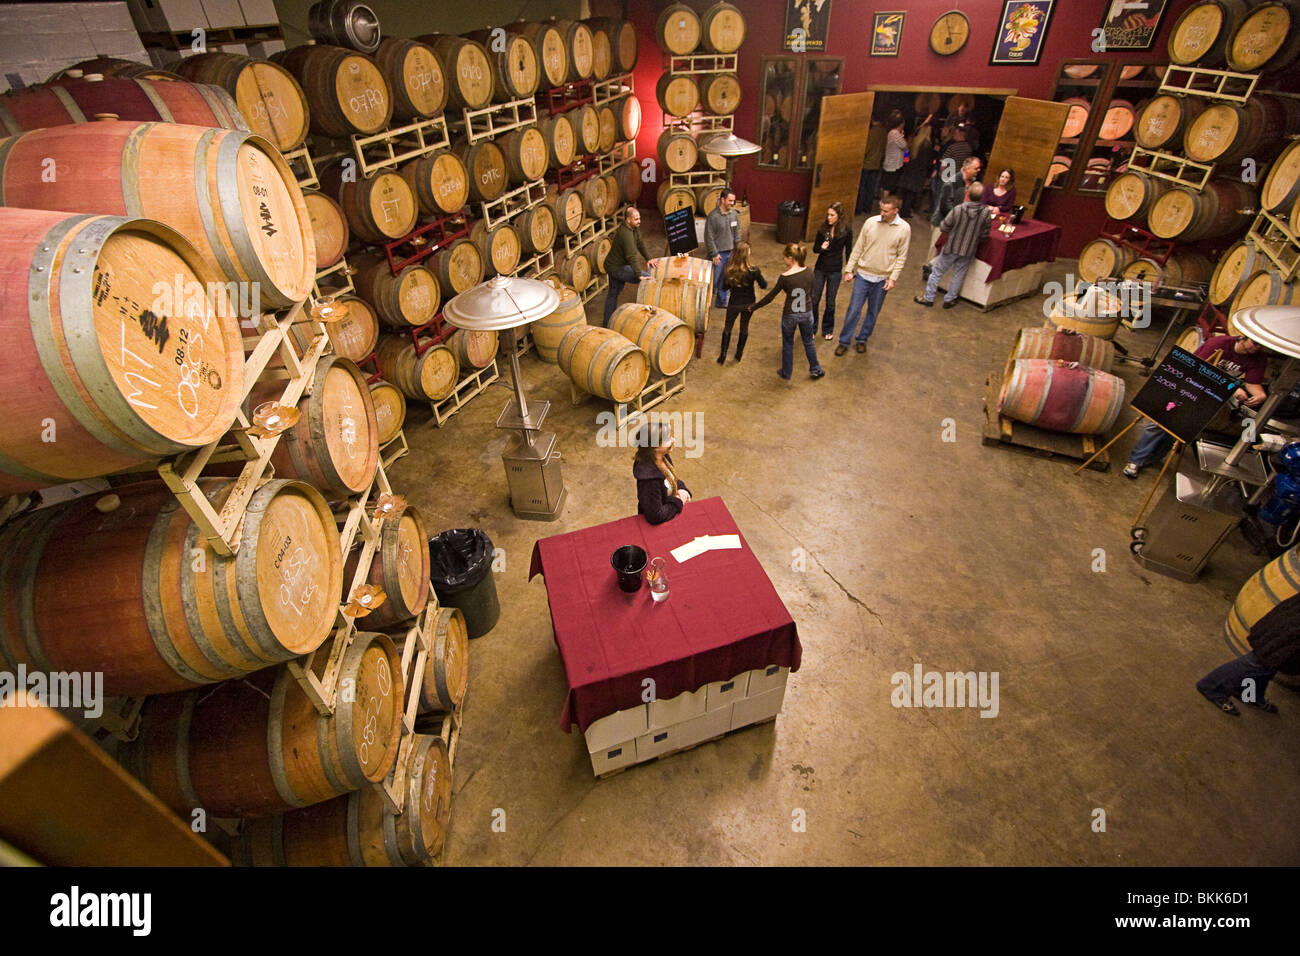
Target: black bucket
<point>629,562</point>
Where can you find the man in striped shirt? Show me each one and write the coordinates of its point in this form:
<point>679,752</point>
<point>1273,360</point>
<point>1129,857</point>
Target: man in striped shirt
<point>967,226</point>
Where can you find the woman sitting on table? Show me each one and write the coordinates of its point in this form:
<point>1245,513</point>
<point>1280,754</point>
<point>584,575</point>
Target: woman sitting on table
<point>1003,194</point>
<point>660,495</point>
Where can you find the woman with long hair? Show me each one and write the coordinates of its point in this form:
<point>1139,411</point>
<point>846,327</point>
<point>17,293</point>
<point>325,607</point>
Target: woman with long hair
<point>739,278</point>
<point>1002,195</point>
<point>831,246</point>
<point>660,494</point>
<point>796,283</point>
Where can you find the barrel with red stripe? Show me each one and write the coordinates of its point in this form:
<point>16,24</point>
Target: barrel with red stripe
<point>68,101</point>
<point>1066,345</point>
<point>1061,396</point>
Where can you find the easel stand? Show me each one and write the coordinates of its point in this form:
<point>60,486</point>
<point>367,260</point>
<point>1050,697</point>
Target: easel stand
<point>1173,454</point>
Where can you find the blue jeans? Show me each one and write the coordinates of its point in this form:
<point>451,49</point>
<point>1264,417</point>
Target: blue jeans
<point>804,322</point>
<point>720,293</point>
<point>617,279</point>
<point>942,263</point>
<point>830,281</point>
<point>1227,681</point>
<point>868,186</point>
<point>870,294</point>
<point>1152,445</point>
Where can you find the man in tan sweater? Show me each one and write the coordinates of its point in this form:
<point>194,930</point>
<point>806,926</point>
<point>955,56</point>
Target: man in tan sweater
<point>874,266</point>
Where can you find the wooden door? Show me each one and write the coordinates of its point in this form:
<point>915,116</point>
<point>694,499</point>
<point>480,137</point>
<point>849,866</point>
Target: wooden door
<point>837,166</point>
<point>1028,136</point>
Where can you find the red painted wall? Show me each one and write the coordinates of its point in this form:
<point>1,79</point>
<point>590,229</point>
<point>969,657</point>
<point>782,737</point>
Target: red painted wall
<point>1069,35</point>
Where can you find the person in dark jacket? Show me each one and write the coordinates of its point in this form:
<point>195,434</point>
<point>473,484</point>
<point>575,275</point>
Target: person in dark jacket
<point>917,170</point>
<point>967,226</point>
<point>831,246</point>
<point>627,259</point>
<point>661,495</point>
<point>1274,646</point>
<point>796,283</point>
<point>739,278</point>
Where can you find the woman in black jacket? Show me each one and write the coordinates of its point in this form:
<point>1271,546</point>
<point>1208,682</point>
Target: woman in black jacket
<point>831,246</point>
<point>661,496</point>
<point>738,279</point>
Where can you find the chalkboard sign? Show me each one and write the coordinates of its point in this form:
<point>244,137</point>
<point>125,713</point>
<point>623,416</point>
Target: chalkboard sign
<point>680,228</point>
<point>1184,393</point>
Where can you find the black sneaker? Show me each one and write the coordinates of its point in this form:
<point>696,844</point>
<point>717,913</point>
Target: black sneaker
<point>949,305</point>
<point>920,301</point>
<point>820,373</point>
<point>1227,706</point>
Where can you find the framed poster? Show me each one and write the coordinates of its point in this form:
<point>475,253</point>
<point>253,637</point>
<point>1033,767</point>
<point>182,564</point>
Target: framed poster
<point>887,33</point>
<point>1021,32</point>
<point>806,25</point>
<point>1132,24</point>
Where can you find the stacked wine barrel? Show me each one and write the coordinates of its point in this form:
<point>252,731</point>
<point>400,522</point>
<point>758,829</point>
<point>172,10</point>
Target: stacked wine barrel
<point>688,97</point>
<point>1059,379</point>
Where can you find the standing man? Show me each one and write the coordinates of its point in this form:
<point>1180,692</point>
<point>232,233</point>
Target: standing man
<point>721,232</point>
<point>1274,646</point>
<point>874,266</point>
<point>967,226</point>
<point>952,157</point>
<point>951,195</point>
<point>627,260</point>
<point>873,158</point>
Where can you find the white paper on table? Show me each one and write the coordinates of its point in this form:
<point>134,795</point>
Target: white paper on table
<point>690,549</point>
<point>723,542</point>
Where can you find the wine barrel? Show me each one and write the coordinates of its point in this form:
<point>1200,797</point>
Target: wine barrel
<point>486,166</point>
<point>1076,120</point>
<point>1201,34</point>
<point>711,160</point>
<point>1267,40</point>
<point>567,208</point>
<point>390,410</point>
<point>1094,313</point>
<point>400,566</point>
<point>602,362</point>
<point>678,30</point>
<point>629,179</point>
<point>1264,287</point>
<point>742,213</point>
<point>688,299</point>
<point>1061,396</point>
<point>64,102</point>
<point>1060,166</point>
<point>666,340</point>
<point>1277,581</point>
<point>440,182</point>
<point>628,114</point>
<point>677,95</point>
<point>1236,264</point>
<point>1191,339</point>
<point>258,746</point>
<point>115,67</point>
<point>574,271</point>
<point>684,267</point>
<point>722,28</point>
<point>468,69</point>
<point>329,227</point>
<point>415,76</point>
<point>354,336</point>
<point>549,330</point>
<point>1080,71</point>
<point>1224,206</point>
<point>1162,123</point>
<point>561,140</point>
<point>228,192</point>
<point>458,267</point>
<point>499,247</point>
<point>1066,345</point>
<point>347,23</point>
<point>446,675</point>
<point>1225,133</point>
<point>623,42</point>
<point>1101,258</point>
<point>1118,121</point>
<point>1131,195</point>
<point>678,151</point>
<point>706,199</point>
<point>91,371</point>
<point>537,229</point>
<point>613,194</point>
<point>594,199</point>
<point>552,52</point>
<point>379,209</point>
<point>1281,189</point>
<point>430,377</point>
<point>586,124</point>
<point>1183,268</point>
<point>156,609</point>
<point>473,349</point>
<point>607,123</point>
<point>410,298</point>
<point>269,97</point>
<point>720,93</point>
<point>670,198</point>
<point>602,52</point>
<point>578,43</point>
<point>516,70</point>
<point>598,252</point>
<point>347,92</point>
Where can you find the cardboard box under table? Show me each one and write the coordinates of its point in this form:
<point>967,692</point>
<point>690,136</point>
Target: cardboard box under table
<point>718,650</point>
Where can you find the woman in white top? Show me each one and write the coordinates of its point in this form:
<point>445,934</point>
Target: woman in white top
<point>895,152</point>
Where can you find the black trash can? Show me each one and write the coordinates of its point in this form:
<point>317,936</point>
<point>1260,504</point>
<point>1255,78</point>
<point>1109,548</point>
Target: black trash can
<point>791,218</point>
<point>461,564</point>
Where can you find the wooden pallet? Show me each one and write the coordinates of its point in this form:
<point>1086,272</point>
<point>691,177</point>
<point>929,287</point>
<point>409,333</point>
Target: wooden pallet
<point>510,204</point>
<point>470,386</point>
<point>393,449</point>
<point>691,64</point>
<point>1178,170</point>
<point>400,144</point>
<point>490,121</point>
<point>1221,85</point>
<point>611,88</point>
<point>1000,430</point>
<point>1272,237</point>
<point>624,152</point>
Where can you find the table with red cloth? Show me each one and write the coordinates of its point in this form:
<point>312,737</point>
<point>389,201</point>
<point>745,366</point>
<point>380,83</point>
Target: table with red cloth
<point>722,616</point>
<point>1033,241</point>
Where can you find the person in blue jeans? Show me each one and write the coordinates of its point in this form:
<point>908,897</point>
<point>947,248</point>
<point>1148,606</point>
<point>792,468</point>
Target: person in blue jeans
<point>796,282</point>
<point>831,245</point>
<point>1274,648</point>
<point>721,233</point>
<point>874,266</point>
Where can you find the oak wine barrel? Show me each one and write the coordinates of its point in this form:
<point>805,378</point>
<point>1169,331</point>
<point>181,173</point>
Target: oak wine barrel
<point>516,70</point>
<point>742,214</point>
<point>629,179</point>
<point>666,340</point>
<point>1264,287</point>
<point>1131,195</point>
<point>1080,71</point>
<point>706,199</point>
<point>329,227</point>
<point>1191,339</point>
<point>1236,264</point>
<point>1224,206</point>
<point>1162,124</point>
<point>602,52</point>
<point>623,43</point>
<point>561,140</point>
<point>677,150</point>
<point>578,44</point>
<point>440,182</point>
<point>1226,133</point>
<point>410,298</point>
<point>680,287</point>
<point>678,30</point>
<point>1061,396</point>
<point>78,100</point>
<point>346,23</point>
<point>720,93</point>
<point>1066,345</point>
<point>607,123</point>
<point>499,247</point>
<point>1184,268</point>
<point>1201,34</point>
<point>430,376</point>
<point>1267,40</point>
<point>157,609</point>
<point>525,154</point>
<point>722,28</point>
<point>670,198</point>
<point>446,675</point>
<point>1101,258</point>
<point>549,330</point>
<point>415,76</point>
<point>378,209</point>
<point>685,267</point>
<point>1281,189</point>
<point>347,92</point>
<point>711,160</point>
<point>598,252</point>
<point>1277,581</point>
<point>677,95</point>
<point>1094,313</point>
<point>1059,167</point>
<point>1118,121</point>
<point>473,349</point>
<point>468,69</point>
<point>552,52</point>
<point>269,97</point>
<point>602,362</point>
<point>354,336</point>
<point>568,209</point>
<point>537,229</point>
<point>390,409</point>
<point>628,114</point>
<point>486,166</point>
<point>574,271</point>
<point>113,66</point>
<point>459,267</point>
<point>1076,120</point>
<point>586,126</point>
<point>613,194</point>
<point>229,192</point>
<point>400,566</point>
<point>594,198</point>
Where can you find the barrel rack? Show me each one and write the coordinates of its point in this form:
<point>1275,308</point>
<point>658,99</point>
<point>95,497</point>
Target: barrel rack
<point>491,121</point>
<point>512,202</point>
<point>473,384</point>
<point>1215,84</point>
<point>693,64</point>
<point>1178,170</point>
<point>658,390</point>
<point>1272,237</point>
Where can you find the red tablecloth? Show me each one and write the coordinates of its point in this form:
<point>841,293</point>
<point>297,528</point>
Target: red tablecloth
<point>722,616</point>
<point>1033,241</point>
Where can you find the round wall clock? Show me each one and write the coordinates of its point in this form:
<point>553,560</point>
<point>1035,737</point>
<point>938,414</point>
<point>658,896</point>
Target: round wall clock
<point>949,33</point>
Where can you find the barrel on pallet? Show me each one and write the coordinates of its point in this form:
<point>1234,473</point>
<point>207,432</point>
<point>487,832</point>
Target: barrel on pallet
<point>1235,265</point>
<point>79,100</point>
<point>347,92</point>
<point>1103,257</point>
<point>354,336</point>
<point>158,610</point>
<point>706,199</point>
<point>486,165</point>
<point>678,30</point>
<point>390,409</point>
<point>670,198</point>
<point>678,151</point>
<point>410,298</point>
<point>686,298</point>
<point>628,113</point>
<point>602,362</point>
<point>1188,215</point>
<point>595,199</point>
<point>1281,190</point>
<point>567,208</point>
<point>720,93</point>
<point>574,271</point>
<point>1118,120</point>
<point>608,125</point>
<point>1066,345</point>
<point>428,376</point>
<point>629,179</point>
<point>1061,396</point>
<point>473,350</point>
<point>537,228</point>
<point>549,330</point>
<point>1095,313</point>
<point>440,182</point>
<point>1076,120</point>
<point>329,227</point>
<point>101,371</point>
<point>709,160</point>
<point>678,95</point>
<point>1162,123</point>
<point>228,192</point>
<point>1267,40</point>
<point>1264,287</point>
<point>379,209</point>
<point>525,154</point>
<point>1227,133</point>
<point>259,746</point>
<point>602,52</point>
<point>598,252</point>
<point>400,566</point>
<point>516,70</point>
<point>722,28</point>
<point>447,673</point>
<point>268,95</point>
<point>552,52</point>
<point>1201,34</point>
<point>623,43</point>
<point>578,44</point>
<point>458,266</point>
<point>586,126</point>
<point>666,340</point>
<point>499,247</point>
<point>561,140</point>
<point>468,69</point>
<point>415,76</point>
<point>1183,268</point>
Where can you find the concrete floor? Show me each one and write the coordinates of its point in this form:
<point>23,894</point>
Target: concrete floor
<point>954,555</point>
